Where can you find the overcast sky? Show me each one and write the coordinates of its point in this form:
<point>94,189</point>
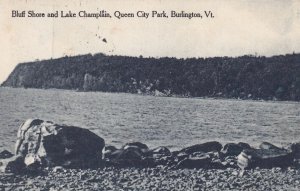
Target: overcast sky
<point>262,27</point>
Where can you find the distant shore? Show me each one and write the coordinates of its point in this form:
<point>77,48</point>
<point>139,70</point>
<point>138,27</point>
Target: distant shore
<point>244,77</point>
<point>161,96</point>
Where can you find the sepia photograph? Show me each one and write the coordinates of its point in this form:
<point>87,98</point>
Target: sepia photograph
<point>138,95</point>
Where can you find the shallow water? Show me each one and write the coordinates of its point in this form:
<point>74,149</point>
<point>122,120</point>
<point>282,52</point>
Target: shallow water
<point>173,122</point>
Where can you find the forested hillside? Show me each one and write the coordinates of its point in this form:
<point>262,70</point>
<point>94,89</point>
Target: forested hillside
<point>246,77</point>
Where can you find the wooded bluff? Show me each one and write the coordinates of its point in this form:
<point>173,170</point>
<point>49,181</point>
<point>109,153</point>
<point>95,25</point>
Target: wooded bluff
<point>245,77</point>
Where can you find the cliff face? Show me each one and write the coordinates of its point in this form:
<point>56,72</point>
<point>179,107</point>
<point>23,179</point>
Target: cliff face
<point>276,77</point>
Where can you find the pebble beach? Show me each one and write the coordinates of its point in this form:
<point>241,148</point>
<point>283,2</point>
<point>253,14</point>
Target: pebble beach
<point>160,178</point>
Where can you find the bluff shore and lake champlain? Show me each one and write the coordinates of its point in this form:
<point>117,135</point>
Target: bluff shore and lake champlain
<point>127,100</point>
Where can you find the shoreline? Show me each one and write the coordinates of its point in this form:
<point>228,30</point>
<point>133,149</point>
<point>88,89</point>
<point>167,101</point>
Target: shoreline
<point>159,96</point>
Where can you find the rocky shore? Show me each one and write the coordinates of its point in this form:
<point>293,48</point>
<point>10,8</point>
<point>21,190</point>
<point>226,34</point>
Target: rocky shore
<point>49,156</point>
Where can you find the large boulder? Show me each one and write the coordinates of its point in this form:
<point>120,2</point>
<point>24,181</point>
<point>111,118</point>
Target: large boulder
<point>204,147</point>
<point>50,144</point>
<point>265,158</point>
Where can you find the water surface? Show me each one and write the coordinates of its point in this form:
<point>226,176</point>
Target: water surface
<point>173,122</point>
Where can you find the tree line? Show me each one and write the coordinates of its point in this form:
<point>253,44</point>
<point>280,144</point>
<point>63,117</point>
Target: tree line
<point>245,77</point>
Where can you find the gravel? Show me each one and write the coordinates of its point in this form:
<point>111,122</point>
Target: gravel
<point>160,178</point>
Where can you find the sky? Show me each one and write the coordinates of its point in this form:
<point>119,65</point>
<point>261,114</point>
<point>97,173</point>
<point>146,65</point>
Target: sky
<point>261,27</point>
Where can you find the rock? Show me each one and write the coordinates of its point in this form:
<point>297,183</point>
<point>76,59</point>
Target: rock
<point>110,148</point>
<point>133,154</point>
<point>244,145</point>
<point>32,159</point>
<point>197,161</point>
<point>160,156</point>
<point>181,155</point>
<point>175,153</point>
<point>58,145</point>
<point>264,158</point>
<point>217,164</point>
<point>266,145</point>
<point>58,169</point>
<point>204,147</point>
<point>113,155</point>
<point>14,164</point>
<point>214,155</point>
<point>160,152</point>
<point>129,156</point>
<point>295,149</point>
<point>108,151</point>
<point>233,149</point>
<point>165,161</point>
<point>199,155</point>
<point>231,161</point>
<point>139,145</point>
<point>5,154</point>
<point>130,153</point>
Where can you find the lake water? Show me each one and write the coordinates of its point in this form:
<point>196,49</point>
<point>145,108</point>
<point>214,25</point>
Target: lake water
<point>156,121</point>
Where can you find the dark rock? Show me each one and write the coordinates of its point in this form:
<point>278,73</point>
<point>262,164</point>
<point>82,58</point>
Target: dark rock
<point>233,149</point>
<point>165,160</point>
<point>181,155</point>
<point>5,154</point>
<point>160,152</point>
<point>217,164</point>
<point>110,148</point>
<point>131,153</point>
<point>127,152</point>
<point>214,155</point>
<point>58,145</point>
<point>58,169</point>
<point>14,164</point>
<point>108,151</point>
<point>295,149</point>
<point>175,152</point>
<point>34,167</point>
<point>199,160</point>
<point>138,145</point>
<point>113,155</point>
<point>265,158</point>
<point>244,145</point>
<point>266,145</point>
<point>130,156</point>
<point>230,161</point>
<point>160,156</point>
<point>204,147</point>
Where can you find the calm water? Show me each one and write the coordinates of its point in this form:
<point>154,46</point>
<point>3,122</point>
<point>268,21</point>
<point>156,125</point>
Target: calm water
<point>173,122</point>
